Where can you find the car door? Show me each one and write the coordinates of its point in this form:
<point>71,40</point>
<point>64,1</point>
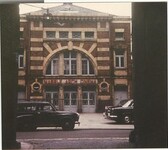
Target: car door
<point>45,115</point>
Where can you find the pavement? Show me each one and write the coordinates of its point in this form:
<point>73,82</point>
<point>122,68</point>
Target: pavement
<point>92,121</point>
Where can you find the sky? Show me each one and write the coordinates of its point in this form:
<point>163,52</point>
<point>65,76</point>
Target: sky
<point>120,9</point>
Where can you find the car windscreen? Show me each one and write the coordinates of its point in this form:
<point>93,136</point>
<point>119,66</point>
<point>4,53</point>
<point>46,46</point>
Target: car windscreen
<point>128,103</point>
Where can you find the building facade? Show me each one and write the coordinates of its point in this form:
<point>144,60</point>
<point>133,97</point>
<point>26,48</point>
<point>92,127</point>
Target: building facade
<point>76,58</point>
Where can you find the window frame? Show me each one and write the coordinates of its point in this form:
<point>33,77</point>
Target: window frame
<point>89,37</point>
<point>48,37</point>
<point>62,37</point>
<point>70,59</point>
<point>19,62</point>
<point>121,60</point>
<point>119,31</point>
<point>78,36</point>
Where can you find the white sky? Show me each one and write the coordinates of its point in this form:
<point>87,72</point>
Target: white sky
<point>121,9</point>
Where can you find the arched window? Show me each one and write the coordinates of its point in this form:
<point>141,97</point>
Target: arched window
<point>53,66</point>
<point>87,67</point>
<point>70,63</point>
<point>67,63</point>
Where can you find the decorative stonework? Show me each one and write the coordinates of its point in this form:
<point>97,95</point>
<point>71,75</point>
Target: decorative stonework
<point>36,87</point>
<point>70,45</point>
<point>104,86</point>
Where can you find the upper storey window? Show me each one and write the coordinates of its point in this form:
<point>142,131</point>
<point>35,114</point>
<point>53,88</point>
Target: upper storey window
<point>21,61</point>
<point>119,34</point>
<point>87,67</point>
<point>76,35</point>
<point>68,62</point>
<point>89,35</point>
<point>21,34</point>
<point>50,34</point>
<point>119,58</point>
<point>63,34</point>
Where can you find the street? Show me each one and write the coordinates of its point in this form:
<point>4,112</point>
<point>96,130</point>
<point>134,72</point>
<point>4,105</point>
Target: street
<point>76,139</point>
<point>94,132</point>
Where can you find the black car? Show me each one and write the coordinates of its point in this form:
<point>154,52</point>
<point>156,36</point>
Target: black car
<point>33,114</point>
<point>108,109</point>
<point>123,114</point>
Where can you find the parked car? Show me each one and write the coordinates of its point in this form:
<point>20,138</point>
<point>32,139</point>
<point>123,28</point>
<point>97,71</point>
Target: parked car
<point>123,114</point>
<point>108,109</point>
<point>33,114</point>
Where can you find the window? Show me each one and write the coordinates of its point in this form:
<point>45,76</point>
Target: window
<point>119,34</point>
<point>53,67</point>
<point>21,61</point>
<point>89,35</point>
<point>88,98</point>
<point>70,98</point>
<point>76,35</point>
<point>21,34</point>
<point>52,97</point>
<point>87,67</point>
<point>50,34</point>
<point>70,63</point>
<point>119,59</point>
<point>63,34</point>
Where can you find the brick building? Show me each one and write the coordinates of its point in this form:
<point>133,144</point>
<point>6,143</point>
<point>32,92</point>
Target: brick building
<point>76,58</point>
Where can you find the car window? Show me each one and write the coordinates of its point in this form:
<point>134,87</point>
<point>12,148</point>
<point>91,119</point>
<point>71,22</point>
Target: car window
<point>47,108</point>
<point>127,103</point>
<point>26,108</point>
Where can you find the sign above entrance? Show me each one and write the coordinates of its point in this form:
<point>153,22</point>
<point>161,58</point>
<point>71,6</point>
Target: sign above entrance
<point>69,81</point>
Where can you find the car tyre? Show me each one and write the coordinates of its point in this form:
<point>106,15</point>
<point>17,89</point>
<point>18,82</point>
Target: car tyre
<point>68,125</point>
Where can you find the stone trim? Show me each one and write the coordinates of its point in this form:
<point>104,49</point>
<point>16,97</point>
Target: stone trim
<point>103,49</point>
<point>120,81</point>
<point>36,58</point>
<point>103,40</point>
<point>103,67</point>
<point>36,39</point>
<point>94,45</point>
<point>36,48</point>
<point>21,28</point>
<point>48,48</point>
<point>36,67</point>
<point>21,82</point>
<point>103,58</point>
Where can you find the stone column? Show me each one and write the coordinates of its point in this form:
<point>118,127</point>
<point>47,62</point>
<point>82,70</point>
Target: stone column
<point>79,99</point>
<point>79,64</point>
<point>61,64</point>
<point>9,27</point>
<point>61,98</point>
<point>150,77</point>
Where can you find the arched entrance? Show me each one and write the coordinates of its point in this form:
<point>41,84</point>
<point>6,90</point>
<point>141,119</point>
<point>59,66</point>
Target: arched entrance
<point>71,69</point>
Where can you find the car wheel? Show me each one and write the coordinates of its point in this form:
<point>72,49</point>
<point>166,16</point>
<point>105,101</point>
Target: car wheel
<point>68,125</point>
<point>127,119</point>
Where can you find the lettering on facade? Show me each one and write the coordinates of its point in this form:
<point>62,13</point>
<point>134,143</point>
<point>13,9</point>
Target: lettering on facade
<point>69,81</point>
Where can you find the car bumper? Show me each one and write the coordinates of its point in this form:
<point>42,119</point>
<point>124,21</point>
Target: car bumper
<point>113,117</point>
<point>77,122</point>
<point>106,115</point>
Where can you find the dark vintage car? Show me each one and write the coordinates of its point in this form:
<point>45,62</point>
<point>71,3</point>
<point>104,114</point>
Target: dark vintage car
<point>107,111</point>
<point>33,114</point>
<point>123,114</point>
